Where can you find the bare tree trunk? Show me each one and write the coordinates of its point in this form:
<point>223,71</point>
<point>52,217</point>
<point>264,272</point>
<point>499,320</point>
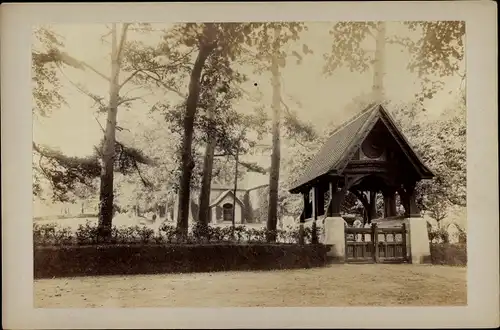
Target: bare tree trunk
<point>206,181</point>
<point>272,217</point>
<point>108,149</point>
<point>236,158</point>
<point>187,163</point>
<point>379,65</point>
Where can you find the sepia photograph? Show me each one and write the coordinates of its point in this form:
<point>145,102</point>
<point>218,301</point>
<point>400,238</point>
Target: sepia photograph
<point>275,167</point>
<point>250,164</point>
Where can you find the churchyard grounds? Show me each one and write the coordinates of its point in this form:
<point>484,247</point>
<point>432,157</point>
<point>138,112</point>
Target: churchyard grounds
<point>331,286</point>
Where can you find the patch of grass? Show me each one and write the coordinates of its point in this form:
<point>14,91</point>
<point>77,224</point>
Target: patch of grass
<point>333,286</point>
<point>60,217</point>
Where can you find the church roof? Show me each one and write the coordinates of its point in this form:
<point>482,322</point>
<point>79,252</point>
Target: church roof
<point>221,197</point>
<point>339,148</point>
<point>241,187</point>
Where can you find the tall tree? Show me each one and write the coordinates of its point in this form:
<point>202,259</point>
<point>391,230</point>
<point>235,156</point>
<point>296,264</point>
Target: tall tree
<point>108,148</point>
<point>274,175</point>
<point>63,172</point>
<point>216,99</point>
<point>271,56</point>
<point>437,49</point>
<point>206,42</point>
<point>206,39</point>
<point>229,40</point>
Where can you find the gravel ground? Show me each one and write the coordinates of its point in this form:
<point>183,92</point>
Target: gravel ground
<point>335,285</point>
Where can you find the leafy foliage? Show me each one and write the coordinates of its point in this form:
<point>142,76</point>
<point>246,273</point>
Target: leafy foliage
<point>46,83</point>
<point>438,50</point>
<point>71,177</point>
<point>347,47</point>
<point>442,146</point>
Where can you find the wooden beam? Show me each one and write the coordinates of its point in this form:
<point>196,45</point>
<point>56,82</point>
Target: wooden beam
<point>320,197</point>
<point>314,203</point>
<point>372,211</point>
<point>331,192</point>
<point>307,207</point>
<point>413,209</point>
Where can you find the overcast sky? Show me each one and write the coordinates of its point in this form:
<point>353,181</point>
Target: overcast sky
<point>74,130</point>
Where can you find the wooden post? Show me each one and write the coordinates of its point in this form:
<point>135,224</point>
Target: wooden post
<point>329,212</point>
<point>320,198</point>
<point>372,212</point>
<point>233,215</point>
<point>345,244</point>
<point>387,212</point>
<point>392,204</point>
<point>403,237</point>
<point>314,203</point>
<point>414,210</point>
<point>307,208</point>
<point>302,219</point>
<point>375,242</point>
<point>301,234</point>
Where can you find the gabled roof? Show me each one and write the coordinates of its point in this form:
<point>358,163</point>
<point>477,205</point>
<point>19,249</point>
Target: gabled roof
<point>345,140</point>
<point>221,197</point>
<point>220,187</point>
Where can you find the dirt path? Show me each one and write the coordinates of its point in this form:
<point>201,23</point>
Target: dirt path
<point>337,285</point>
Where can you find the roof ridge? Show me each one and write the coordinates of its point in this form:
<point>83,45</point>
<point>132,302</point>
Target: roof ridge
<point>370,122</point>
<point>370,107</point>
<point>222,196</point>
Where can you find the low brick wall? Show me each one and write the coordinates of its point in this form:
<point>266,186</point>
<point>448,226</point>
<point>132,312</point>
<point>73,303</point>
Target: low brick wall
<point>449,254</point>
<point>70,261</point>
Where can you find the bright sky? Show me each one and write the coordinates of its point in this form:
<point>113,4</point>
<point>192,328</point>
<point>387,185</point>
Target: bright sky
<point>74,129</point>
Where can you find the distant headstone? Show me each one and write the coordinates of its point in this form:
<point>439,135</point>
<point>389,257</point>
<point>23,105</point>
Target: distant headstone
<point>357,223</point>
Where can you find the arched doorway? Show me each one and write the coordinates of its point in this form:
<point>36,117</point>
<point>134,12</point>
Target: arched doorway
<point>227,212</point>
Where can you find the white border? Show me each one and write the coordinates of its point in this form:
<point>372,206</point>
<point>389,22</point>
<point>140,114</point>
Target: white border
<point>482,177</point>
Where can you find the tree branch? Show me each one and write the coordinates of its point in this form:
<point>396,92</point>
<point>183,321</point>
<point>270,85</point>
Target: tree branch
<point>129,78</point>
<point>166,86</point>
<point>122,42</point>
<point>129,99</point>
<point>102,128</point>
<point>80,89</point>
<point>145,182</point>
<point>95,70</point>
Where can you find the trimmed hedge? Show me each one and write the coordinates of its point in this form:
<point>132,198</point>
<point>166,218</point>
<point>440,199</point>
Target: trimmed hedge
<point>449,254</point>
<point>53,234</point>
<point>73,260</point>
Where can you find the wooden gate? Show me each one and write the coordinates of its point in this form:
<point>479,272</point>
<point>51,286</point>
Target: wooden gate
<point>384,245</point>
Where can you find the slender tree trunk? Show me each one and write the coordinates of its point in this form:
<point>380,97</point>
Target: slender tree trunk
<point>206,181</point>
<point>187,163</point>
<point>272,217</point>
<point>108,150</point>
<point>379,64</point>
<point>235,184</point>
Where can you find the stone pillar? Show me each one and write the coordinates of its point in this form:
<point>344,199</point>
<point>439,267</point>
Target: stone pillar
<point>334,237</point>
<point>417,242</point>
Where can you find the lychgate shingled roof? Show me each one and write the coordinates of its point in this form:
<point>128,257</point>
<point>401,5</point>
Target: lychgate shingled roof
<point>334,153</point>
